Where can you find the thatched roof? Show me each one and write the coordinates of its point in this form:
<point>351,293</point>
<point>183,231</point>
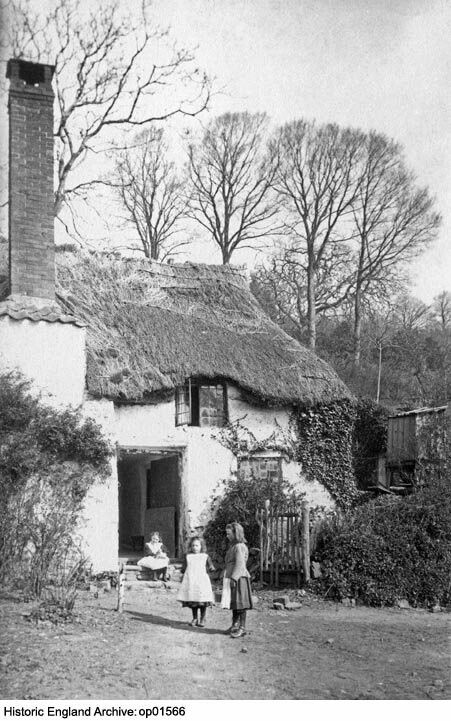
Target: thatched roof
<point>151,326</point>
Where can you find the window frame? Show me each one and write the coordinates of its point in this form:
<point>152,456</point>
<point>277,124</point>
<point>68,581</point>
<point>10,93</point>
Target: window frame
<point>191,402</point>
<point>262,457</point>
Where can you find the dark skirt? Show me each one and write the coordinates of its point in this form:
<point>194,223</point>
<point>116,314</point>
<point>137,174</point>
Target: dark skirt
<point>195,604</point>
<point>241,595</point>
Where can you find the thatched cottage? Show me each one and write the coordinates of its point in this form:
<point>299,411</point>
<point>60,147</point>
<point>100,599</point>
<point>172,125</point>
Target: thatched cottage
<point>165,357</point>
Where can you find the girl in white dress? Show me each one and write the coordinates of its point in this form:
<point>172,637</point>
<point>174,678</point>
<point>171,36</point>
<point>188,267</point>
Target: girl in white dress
<point>156,559</point>
<point>195,591</point>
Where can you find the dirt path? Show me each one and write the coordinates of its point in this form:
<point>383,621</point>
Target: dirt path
<point>322,651</point>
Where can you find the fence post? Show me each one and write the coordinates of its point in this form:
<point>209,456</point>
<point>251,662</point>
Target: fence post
<point>120,587</point>
<point>260,516</point>
<point>306,540</point>
<point>276,546</point>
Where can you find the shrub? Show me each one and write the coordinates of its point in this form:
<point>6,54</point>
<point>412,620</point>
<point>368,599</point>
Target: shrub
<point>391,548</point>
<point>49,459</point>
<point>238,500</point>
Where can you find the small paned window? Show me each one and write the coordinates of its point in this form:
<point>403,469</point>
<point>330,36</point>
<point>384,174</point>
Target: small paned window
<point>182,405</point>
<point>201,404</point>
<point>264,468</point>
<point>212,407</point>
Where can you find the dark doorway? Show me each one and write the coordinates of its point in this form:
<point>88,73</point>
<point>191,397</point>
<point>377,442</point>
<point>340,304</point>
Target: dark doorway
<point>149,500</point>
<point>162,501</point>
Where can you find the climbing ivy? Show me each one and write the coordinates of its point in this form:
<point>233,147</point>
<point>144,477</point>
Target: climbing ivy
<point>370,440</point>
<point>321,438</point>
<point>241,441</point>
<point>325,435</point>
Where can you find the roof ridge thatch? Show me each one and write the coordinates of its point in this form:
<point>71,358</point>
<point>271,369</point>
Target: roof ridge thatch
<point>145,335</point>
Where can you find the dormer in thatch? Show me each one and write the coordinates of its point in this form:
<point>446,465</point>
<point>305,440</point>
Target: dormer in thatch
<point>152,326</point>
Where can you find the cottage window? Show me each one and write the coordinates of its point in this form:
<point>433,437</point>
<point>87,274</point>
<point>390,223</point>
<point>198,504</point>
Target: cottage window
<point>264,468</point>
<point>199,403</point>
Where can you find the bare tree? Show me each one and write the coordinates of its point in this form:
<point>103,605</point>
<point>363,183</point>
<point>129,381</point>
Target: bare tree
<point>394,221</point>
<point>317,181</point>
<point>442,309</point>
<point>114,70</point>
<point>283,280</point>
<point>411,313</point>
<point>231,174</point>
<point>152,194</point>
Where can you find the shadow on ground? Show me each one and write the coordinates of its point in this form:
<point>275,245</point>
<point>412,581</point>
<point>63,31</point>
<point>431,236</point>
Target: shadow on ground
<point>181,625</point>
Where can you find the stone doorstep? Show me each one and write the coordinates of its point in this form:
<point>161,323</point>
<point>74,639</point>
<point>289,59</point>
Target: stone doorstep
<point>132,571</point>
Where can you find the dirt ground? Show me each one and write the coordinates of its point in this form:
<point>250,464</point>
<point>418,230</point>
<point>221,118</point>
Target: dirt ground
<point>321,651</point>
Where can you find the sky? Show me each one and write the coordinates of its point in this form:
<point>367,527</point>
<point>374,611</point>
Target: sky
<point>372,64</point>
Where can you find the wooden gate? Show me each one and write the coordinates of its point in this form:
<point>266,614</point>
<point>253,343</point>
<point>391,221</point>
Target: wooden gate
<point>284,542</point>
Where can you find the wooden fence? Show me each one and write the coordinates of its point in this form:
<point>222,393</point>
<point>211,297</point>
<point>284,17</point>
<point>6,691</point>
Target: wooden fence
<point>284,542</point>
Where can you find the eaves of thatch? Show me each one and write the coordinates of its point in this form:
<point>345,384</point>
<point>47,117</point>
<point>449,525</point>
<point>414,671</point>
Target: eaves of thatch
<point>151,326</point>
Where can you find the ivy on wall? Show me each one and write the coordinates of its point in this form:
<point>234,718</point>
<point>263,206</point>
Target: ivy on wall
<point>321,438</point>
<point>324,447</point>
<point>241,441</point>
<point>336,443</point>
<point>370,440</point>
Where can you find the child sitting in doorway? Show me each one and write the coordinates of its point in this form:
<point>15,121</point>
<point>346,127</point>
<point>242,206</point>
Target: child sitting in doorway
<point>156,559</point>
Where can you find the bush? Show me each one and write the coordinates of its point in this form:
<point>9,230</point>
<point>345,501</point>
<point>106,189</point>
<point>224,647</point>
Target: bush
<point>238,500</point>
<point>49,459</point>
<point>391,548</point>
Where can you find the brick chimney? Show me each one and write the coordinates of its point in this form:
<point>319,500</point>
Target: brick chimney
<point>31,233</point>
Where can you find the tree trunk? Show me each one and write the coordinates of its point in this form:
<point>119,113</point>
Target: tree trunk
<point>311,301</point>
<point>357,327</point>
<point>379,373</point>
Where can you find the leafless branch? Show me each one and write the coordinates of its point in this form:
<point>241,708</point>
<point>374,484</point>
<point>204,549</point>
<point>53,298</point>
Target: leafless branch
<point>317,182</point>
<point>107,76</point>
<point>231,174</point>
<point>152,195</point>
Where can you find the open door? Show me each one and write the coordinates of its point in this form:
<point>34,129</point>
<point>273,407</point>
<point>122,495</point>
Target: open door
<point>162,501</point>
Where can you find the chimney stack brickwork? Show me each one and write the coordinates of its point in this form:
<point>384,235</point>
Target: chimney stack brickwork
<point>31,219</point>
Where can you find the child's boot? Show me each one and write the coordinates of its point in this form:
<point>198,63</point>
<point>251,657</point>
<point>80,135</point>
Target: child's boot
<point>235,622</point>
<point>203,611</point>
<point>194,621</point>
<point>241,629</point>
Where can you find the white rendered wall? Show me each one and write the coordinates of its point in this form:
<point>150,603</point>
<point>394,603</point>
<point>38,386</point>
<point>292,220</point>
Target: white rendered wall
<point>52,355</point>
<point>99,528</point>
<point>152,427</point>
<point>262,422</point>
<point>207,460</point>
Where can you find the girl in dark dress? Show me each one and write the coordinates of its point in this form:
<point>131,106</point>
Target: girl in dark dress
<point>237,593</point>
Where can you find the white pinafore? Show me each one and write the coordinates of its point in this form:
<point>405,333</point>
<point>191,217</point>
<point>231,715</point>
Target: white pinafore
<point>157,560</point>
<point>196,585</point>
